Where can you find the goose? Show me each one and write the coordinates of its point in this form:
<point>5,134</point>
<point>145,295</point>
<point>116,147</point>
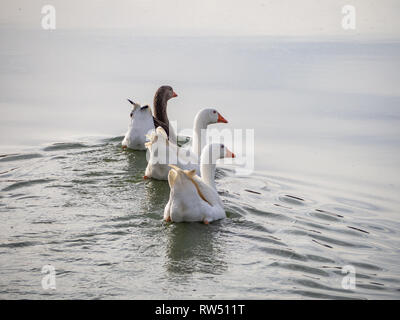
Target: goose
<point>193,198</point>
<point>142,121</point>
<point>169,153</point>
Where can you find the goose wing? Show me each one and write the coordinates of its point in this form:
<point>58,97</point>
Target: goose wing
<point>204,191</point>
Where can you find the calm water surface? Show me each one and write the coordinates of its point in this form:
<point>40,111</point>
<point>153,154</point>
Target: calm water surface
<point>323,195</point>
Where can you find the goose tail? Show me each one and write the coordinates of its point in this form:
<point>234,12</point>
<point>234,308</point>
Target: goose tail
<point>154,135</point>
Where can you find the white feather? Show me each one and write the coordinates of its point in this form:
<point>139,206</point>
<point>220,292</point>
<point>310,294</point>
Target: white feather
<point>141,124</point>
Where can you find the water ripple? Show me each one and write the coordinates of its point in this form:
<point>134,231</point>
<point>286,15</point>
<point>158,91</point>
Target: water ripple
<point>18,157</point>
<point>65,146</point>
<point>85,209</point>
<point>27,183</point>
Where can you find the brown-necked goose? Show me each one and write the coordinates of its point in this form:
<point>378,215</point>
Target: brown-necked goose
<point>142,121</point>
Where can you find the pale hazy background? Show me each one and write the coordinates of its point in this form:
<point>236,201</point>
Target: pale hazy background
<point>209,17</point>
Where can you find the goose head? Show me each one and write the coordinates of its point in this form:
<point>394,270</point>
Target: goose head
<point>209,156</point>
<point>214,151</point>
<point>166,93</point>
<point>208,116</point>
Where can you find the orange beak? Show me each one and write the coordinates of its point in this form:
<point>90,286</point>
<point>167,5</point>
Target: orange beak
<point>229,154</point>
<point>221,119</point>
<point>174,94</point>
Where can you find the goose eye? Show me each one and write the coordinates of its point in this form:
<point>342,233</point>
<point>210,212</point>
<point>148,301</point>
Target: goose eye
<point>214,111</point>
<point>131,114</point>
<point>222,146</point>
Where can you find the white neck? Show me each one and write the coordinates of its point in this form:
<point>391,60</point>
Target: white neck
<point>207,167</point>
<point>199,134</point>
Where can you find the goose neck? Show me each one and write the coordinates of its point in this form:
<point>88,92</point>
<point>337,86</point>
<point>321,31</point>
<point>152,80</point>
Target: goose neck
<point>207,168</point>
<point>160,108</point>
<point>199,135</point>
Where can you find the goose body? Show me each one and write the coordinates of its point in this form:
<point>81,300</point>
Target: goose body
<point>164,152</point>
<point>143,122</point>
<point>193,198</point>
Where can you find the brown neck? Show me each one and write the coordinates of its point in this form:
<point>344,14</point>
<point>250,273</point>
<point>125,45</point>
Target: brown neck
<point>160,108</point>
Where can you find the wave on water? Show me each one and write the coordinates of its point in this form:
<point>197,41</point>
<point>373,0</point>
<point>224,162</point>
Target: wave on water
<point>85,208</point>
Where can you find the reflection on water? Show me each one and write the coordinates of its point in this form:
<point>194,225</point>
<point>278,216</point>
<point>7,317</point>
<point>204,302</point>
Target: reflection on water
<point>195,248</point>
<point>136,160</point>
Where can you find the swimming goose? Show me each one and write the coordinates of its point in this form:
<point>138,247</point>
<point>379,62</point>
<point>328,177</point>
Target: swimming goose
<point>193,198</point>
<point>142,121</point>
<point>163,151</point>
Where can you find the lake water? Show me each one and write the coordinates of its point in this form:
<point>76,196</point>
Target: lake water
<point>323,194</point>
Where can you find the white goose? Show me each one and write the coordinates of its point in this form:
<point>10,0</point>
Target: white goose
<point>164,152</point>
<point>193,198</point>
<point>142,121</point>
